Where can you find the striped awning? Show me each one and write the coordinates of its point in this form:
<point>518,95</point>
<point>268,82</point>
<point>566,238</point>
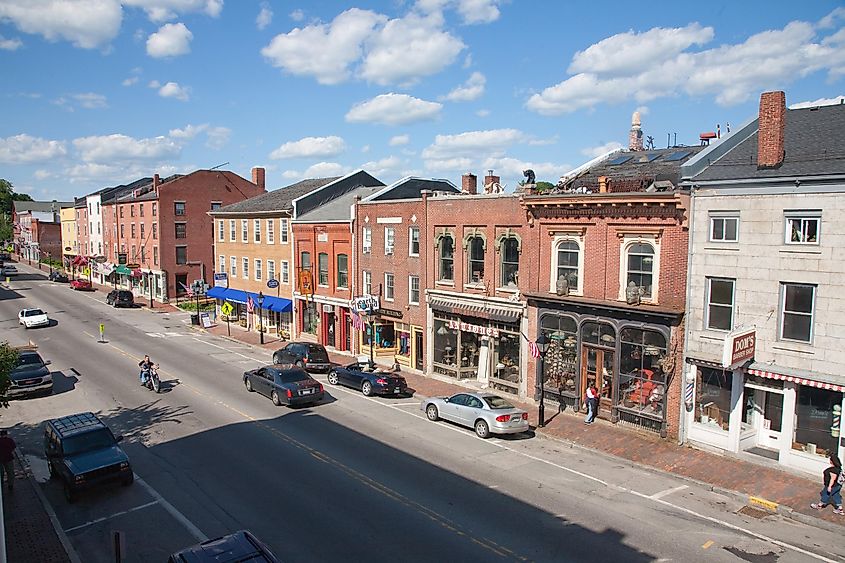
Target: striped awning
<point>795,379</point>
<point>481,310</point>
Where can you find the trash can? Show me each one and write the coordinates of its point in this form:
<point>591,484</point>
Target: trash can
<point>195,319</point>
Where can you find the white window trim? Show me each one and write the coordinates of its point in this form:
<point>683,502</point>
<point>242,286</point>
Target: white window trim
<point>256,231</point>
<point>233,266</point>
<point>284,273</point>
<point>707,293</point>
<point>271,269</point>
<point>233,230</point>
<point>579,240</point>
<point>411,290</point>
<point>722,215</point>
<point>391,248</point>
<point>801,214</point>
<point>782,311</point>
<point>258,269</point>
<point>386,298</point>
<point>245,267</point>
<point>628,241</point>
<point>367,282</point>
<point>328,270</point>
<point>283,231</point>
<point>366,241</point>
<point>271,233</point>
<point>245,230</point>
<point>411,240</point>
<point>222,264</point>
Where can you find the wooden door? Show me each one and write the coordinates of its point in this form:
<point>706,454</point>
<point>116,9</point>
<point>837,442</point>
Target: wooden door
<point>597,369</point>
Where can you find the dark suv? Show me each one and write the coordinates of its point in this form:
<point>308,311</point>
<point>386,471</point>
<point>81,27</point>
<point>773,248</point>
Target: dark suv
<point>240,546</point>
<point>120,298</point>
<point>82,452</point>
<point>307,355</point>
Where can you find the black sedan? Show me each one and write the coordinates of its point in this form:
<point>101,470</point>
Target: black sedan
<point>284,386</point>
<point>59,277</point>
<point>369,379</point>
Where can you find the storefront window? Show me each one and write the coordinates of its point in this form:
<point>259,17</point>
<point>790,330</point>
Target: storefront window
<point>713,397</point>
<point>506,372</point>
<point>385,336</point>
<point>510,262</point>
<point>642,382</point>
<point>445,348</point>
<point>817,420</point>
<point>469,345</point>
<point>403,341</point>
<point>598,333</point>
<point>309,319</point>
<point>561,363</point>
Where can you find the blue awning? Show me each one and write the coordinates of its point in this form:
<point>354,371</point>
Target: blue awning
<point>217,292</point>
<point>278,304</point>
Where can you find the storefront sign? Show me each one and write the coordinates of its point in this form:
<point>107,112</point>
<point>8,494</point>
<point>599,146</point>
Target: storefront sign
<point>68,249</point>
<point>306,283</point>
<point>121,258</point>
<point>221,279</point>
<point>133,266</point>
<point>205,318</point>
<point>739,348</point>
<point>365,303</point>
<point>475,329</point>
<point>272,283</point>
<point>392,313</point>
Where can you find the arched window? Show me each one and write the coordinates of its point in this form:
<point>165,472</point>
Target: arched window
<point>447,258</point>
<point>568,258</point>
<point>641,267</point>
<point>510,262</point>
<point>476,259</point>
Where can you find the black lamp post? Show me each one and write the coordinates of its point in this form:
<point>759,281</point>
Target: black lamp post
<point>260,317</point>
<point>150,279</point>
<point>543,346</point>
<point>50,263</point>
<point>371,319</point>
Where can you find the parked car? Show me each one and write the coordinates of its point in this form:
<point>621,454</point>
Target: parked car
<point>9,270</point>
<point>81,285</point>
<point>82,452</point>
<point>484,412</point>
<point>290,387</point>
<point>59,277</point>
<point>31,318</point>
<point>30,376</point>
<point>307,355</point>
<point>5,257</point>
<point>120,298</point>
<point>369,379</point>
<point>240,546</point>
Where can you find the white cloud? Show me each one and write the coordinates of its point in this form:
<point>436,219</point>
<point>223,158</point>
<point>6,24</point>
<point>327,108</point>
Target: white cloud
<point>24,149</point>
<point>365,149</point>
<point>164,10</point>
<point>122,148</point>
<point>130,81</point>
<point>470,90</point>
<point>510,169</point>
<point>265,16</point>
<point>42,174</point>
<point>643,110</point>
<point>174,90</point>
<point>659,63</point>
<point>398,140</point>
<point>324,51</point>
<point>325,169</point>
<point>86,24</point>
<point>471,11</point>
<point>482,113</point>
<point>154,84</point>
<point>310,147</point>
<point>830,20</point>
<point>393,109</point>
<point>217,137</point>
<point>384,166</point>
<point>10,44</point>
<point>487,143</point>
<point>90,100</point>
<point>171,40</point>
<point>297,15</point>
<point>449,165</point>
<point>593,152</point>
<point>820,102</point>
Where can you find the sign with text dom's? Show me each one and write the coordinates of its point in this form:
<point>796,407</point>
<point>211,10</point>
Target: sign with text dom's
<point>739,348</point>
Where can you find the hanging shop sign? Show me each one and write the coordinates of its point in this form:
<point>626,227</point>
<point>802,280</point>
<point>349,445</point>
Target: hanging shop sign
<point>739,348</point>
<point>306,283</point>
<point>272,283</point>
<point>365,304</point>
<point>221,279</point>
<point>475,329</point>
<point>392,313</point>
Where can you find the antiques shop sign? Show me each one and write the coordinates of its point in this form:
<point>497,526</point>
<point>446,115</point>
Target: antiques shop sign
<point>475,329</point>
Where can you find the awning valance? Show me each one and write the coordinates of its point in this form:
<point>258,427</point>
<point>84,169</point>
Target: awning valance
<point>270,303</point>
<point>481,310</point>
<point>796,376</point>
<point>217,292</point>
<point>123,270</point>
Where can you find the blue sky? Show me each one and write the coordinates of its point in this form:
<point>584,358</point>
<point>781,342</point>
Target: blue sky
<point>102,92</point>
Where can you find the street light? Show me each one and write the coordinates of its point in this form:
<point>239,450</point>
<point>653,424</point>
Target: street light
<point>371,319</point>
<point>150,279</point>
<point>543,345</point>
<point>260,317</point>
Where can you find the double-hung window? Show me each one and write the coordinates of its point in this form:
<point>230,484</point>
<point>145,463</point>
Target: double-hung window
<point>283,231</point>
<point>245,268</point>
<point>271,235</point>
<point>414,290</point>
<point>797,303</point>
<point>233,266</point>
<point>388,286</point>
<point>414,241</point>
<point>258,271</point>
<point>181,254</point>
<point>803,227</point>
<point>389,240</point>
<point>222,264</point>
<point>181,230</point>
<point>178,208</point>
<point>285,271</point>
<point>257,230</point>
<point>367,282</point>
<point>720,304</point>
<point>271,269</point>
<point>244,230</point>
<point>221,231</point>
<point>446,271</point>
<point>323,268</point>
<point>342,271</point>
<point>232,230</point>
<point>366,240</point>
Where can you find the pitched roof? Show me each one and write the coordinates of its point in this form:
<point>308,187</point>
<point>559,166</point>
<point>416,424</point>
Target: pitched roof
<point>814,145</point>
<point>411,187</point>
<point>339,208</point>
<point>276,200</point>
<point>40,206</point>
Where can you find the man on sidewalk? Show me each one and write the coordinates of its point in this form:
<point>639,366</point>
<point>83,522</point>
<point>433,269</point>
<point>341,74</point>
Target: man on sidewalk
<point>7,458</point>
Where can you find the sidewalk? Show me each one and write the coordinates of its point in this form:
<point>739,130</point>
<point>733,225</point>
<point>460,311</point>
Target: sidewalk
<point>793,493</point>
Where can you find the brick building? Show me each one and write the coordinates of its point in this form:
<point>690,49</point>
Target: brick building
<point>322,235</point>
<point>70,235</point>
<point>37,228</point>
<point>611,243</point>
<point>253,243</point>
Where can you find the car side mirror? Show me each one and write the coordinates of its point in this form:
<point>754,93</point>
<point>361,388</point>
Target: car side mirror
<point>119,438</point>
<point>446,399</point>
<point>48,362</point>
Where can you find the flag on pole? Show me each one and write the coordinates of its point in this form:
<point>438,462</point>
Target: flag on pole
<point>357,321</point>
<point>188,291</point>
<point>533,349</point>
<point>250,305</point>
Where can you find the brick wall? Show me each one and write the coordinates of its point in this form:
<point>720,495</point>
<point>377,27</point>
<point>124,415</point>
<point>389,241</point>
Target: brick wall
<point>770,133</point>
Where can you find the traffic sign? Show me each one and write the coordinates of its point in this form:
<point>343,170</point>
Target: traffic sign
<point>272,283</point>
<point>226,309</point>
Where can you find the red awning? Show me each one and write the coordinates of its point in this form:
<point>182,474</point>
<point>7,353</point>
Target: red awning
<point>137,273</point>
<point>795,379</point>
<point>80,261</point>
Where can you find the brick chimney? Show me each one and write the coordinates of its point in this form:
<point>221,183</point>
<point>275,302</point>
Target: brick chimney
<point>635,136</point>
<point>603,184</point>
<point>258,177</point>
<point>469,183</point>
<point>156,183</point>
<point>490,179</point>
<point>770,129</point>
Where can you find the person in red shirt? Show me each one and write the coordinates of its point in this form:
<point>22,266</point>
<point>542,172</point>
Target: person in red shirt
<point>7,457</point>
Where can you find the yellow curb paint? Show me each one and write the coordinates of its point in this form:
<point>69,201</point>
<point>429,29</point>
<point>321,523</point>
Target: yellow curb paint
<point>763,503</point>
<point>707,544</point>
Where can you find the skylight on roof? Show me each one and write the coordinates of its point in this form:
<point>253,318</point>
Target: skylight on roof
<point>648,157</point>
<point>677,155</point>
<point>619,160</point>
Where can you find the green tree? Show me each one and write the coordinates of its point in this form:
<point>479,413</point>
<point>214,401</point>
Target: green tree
<point>7,197</point>
<point>545,186</point>
<point>8,361</point>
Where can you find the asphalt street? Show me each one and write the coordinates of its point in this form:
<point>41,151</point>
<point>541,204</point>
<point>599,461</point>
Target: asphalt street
<point>354,478</point>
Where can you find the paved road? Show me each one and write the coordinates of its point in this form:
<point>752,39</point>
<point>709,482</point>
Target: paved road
<point>353,478</point>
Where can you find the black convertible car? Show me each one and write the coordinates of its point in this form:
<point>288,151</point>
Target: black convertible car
<point>59,277</point>
<point>290,387</point>
<point>369,379</point>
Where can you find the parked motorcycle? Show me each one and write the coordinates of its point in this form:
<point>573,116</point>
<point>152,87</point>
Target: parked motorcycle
<point>151,379</point>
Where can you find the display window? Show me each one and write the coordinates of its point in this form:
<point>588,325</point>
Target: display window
<point>506,372</point>
<point>385,336</point>
<point>560,366</point>
<point>713,397</point>
<point>818,414</point>
<point>403,340</point>
<point>309,319</point>
<point>445,348</point>
<point>642,380</point>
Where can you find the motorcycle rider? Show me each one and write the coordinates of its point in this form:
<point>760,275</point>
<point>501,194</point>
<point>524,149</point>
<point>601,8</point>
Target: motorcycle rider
<point>145,366</point>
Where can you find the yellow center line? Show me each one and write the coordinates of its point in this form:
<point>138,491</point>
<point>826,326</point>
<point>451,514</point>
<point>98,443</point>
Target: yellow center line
<point>707,544</point>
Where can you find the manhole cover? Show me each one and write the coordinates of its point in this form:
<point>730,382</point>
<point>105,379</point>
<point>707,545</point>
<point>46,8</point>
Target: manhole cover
<point>753,512</point>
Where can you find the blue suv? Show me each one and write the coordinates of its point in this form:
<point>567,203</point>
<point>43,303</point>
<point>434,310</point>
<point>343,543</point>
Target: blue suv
<point>82,452</point>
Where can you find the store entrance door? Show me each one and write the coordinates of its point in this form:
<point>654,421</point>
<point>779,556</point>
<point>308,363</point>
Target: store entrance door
<point>764,413</point>
<point>597,369</point>
<point>418,352</point>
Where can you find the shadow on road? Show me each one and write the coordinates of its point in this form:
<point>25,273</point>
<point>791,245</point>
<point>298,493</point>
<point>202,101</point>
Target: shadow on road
<point>63,383</point>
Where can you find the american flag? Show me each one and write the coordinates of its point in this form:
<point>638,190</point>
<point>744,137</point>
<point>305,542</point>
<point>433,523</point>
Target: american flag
<point>188,291</point>
<point>533,349</point>
<point>250,305</point>
<point>357,321</point>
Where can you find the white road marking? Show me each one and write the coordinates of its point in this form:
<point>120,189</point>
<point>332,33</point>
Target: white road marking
<point>110,516</point>
<point>667,492</point>
<point>155,335</point>
<point>224,348</point>
<point>196,532</point>
<point>415,404</point>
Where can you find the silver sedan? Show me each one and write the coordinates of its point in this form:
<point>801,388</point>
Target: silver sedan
<point>484,412</point>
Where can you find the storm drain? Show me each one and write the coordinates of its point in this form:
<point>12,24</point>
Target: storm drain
<point>753,512</point>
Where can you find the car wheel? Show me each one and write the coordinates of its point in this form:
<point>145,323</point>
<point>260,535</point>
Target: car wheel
<point>431,413</point>
<point>129,480</point>
<point>367,389</point>
<point>248,385</point>
<point>275,398</point>
<point>332,378</point>
<point>482,429</point>
<point>70,494</point>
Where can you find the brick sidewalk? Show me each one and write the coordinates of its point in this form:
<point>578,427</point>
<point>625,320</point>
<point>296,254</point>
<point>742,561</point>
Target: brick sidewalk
<point>722,472</point>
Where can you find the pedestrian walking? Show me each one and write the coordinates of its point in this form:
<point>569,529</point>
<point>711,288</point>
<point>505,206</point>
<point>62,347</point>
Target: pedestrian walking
<point>831,486</point>
<point>7,458</point>
<point>592,400</point>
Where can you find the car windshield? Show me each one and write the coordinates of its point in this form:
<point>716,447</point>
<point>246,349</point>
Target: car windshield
<point>27,360</point>
<point>33,313</point>
<point>317,353</point>
<point>495,402</point>
<point>293,375</point>
<point>94,440</point>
